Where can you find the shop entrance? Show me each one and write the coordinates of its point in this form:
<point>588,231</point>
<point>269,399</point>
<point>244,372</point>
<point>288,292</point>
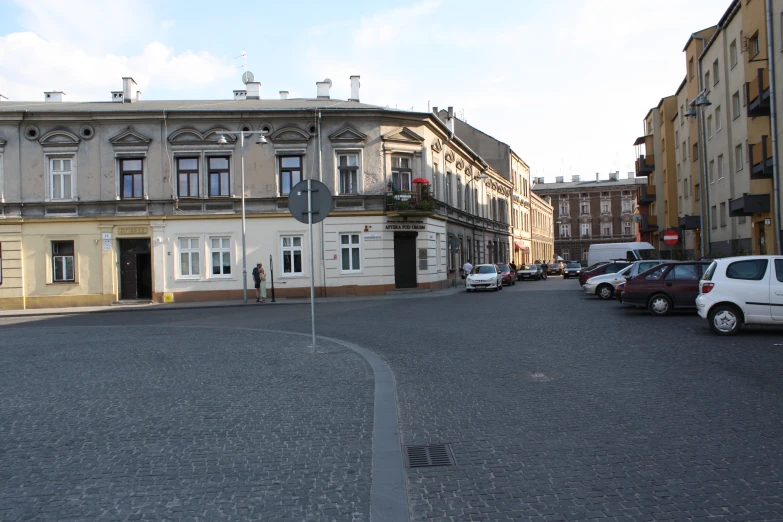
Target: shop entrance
<point>135,269</point>
<point>405,259</point>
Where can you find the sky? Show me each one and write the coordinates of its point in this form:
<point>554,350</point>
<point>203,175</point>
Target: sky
<point>566,83</point>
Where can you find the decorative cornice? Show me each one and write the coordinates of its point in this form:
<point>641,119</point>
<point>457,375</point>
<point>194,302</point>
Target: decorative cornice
<point>348,134</point>
<point>437,145</point>
<point>449,155</point>
<point>290,134</point>
<point>130,137</point>
<point>58,138</point>
<point>403,135</point>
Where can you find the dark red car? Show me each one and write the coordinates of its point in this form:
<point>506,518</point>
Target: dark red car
<point>508,277</point>
<point>665,287</point>
<point>604,268</point>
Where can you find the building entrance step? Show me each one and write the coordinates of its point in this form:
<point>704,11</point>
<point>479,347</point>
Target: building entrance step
<point>399,291</point>
<point>132,302</point>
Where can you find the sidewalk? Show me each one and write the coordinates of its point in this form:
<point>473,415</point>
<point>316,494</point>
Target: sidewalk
<point>159,307</point>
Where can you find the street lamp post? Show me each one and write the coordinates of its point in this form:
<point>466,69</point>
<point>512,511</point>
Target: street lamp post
<point>701,103</point>
<point>261,141</point>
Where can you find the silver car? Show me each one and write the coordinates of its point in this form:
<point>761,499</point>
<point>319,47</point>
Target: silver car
<point>605,285</point>
<point>532,272</point>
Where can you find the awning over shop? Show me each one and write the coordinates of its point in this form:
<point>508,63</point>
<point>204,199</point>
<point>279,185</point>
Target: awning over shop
<point>521,246</point>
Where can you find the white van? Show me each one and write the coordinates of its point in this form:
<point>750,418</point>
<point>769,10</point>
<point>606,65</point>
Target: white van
<point>627,251</point>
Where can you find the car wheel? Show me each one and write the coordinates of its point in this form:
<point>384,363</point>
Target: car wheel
<point>659,304</point>
<point>497,287</point>
<point>725,319</point>
<point>605,292</point>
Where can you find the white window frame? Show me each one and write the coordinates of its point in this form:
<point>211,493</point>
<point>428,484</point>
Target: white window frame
<point>292,249</point>
<point>739,161</point>
<point>606,206</point>
<point>627,229</point>
<point>718,126</point>
<point>627,206</point>
<point>711,171</point>
<point>721,169</point>
<point>50,158</point>
<point>585,229</point>
<point>408,171</point>
<point>606,230</point>
<point>221,251</point>
<point>338,153</point>
<point>709,127</point>
<point>54,258</point>
<point>733,53</point>
<point>715,72</point>
<point>735,105</point>
<point>350,247</point>
<point>189,250</point>
<point>565,230</point>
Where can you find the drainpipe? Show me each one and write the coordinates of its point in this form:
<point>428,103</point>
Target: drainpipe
<point>703,181</point>
<point>774,127</point>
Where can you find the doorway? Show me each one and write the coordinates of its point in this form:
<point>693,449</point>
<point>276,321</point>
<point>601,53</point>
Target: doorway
<point>135,269</point>
<point>405,259</point>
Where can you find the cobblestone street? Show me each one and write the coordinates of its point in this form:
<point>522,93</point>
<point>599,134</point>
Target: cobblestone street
<point>557,407</point>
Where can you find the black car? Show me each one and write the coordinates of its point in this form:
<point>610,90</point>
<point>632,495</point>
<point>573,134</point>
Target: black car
<point>572,270</point>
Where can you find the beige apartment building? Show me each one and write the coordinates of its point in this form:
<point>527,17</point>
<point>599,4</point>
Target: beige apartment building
<point>543,240</point>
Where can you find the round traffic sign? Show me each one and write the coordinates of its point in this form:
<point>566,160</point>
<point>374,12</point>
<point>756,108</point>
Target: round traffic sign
<point>670,237</point>
<point>322,201</point>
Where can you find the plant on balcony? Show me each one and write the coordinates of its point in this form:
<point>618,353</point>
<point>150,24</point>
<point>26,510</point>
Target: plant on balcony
<point>425,204</point>
<point>403,205</point>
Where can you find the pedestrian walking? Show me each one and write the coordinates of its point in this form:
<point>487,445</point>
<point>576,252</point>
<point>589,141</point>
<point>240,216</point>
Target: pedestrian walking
<point>259,279</point>
<point>466,269</point>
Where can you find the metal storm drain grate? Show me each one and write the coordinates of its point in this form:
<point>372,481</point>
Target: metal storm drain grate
<point>431,455</point>
<point>538,376</point>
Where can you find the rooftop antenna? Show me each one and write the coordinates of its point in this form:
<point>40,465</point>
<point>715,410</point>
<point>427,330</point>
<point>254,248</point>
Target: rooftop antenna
<point>247,76</point>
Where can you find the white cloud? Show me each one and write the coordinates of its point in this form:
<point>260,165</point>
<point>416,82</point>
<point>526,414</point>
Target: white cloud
<point>388,26</point>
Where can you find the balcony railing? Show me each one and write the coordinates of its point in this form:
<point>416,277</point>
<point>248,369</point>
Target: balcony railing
<point>404,201</point>
<point>760,159</point>
<point>648,194</point>
<point>649,223</point>
<point>749,204</point>
<point>757,94</point>
<point>645,165</point>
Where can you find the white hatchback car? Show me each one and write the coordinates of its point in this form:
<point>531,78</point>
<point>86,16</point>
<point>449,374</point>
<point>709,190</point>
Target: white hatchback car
<point>484,277</point>
<point>741,290</point>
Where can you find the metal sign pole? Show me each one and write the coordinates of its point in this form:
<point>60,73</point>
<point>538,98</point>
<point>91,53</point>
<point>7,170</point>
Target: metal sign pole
<point>272,277</point>
<point>312,257</point>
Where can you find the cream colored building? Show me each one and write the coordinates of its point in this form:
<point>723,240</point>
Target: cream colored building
<point>128,199</point>
<point>543,240</point>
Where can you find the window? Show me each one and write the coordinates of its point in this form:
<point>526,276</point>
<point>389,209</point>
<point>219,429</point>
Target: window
<point>565,230</point>
<point>735,105</point>
<point>678,172</point>
<point>679,205</point>
<point>717,119</point>
<point>684,152</point>
<point>684,273</point>
<point>348,164</point>
<point>585,206</point>
<point>290,173</point>
<point>657,274</point>
<point>754,45</point>
<point>627,229</point>
<point>709,126</point>
<point>695,153</point>
<point>627,205</point>
<point>604,207</point>
<point>219,179</point>
<point>682,113</point>
<point>447,189</point>
<point>459,192</point>
<point>189,257</point>
<point>563,208</point>
<point>723,214</point>
<point>751,270</point>
<point>715,73</point>
<point>686,188</point>
<point>779,269</point>
<point>714,216</point>
<point>720,166</point>
<point>697,192</point>
<point>350,253</point>
<point>187,177</point>
<point>733,53</point>
<point>131,178</point>
<point>62,262</point>
<point>61,177</point>
<point>221,255</point>
<point>292,255</point>
<point>690,68</point>
<point>712,171</point>
<point>606,229</point>
<point>402,173</point>
<point>585,229</point>
<point>707,81</point>
<point>435,179</point>
<point>738,161</point>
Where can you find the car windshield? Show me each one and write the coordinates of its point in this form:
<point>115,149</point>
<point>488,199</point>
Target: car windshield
<point>650,253</point>
<point>625,270</point>
<point>593,267</point>
<point>484,269</point>
<point>574,265</point>
<point>504,268</point>
<point>528,267</point>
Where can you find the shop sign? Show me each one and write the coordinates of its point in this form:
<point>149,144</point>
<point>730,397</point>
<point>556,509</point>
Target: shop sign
<point>404,226</point>
<point>133,231</point>
<point>372,237</point>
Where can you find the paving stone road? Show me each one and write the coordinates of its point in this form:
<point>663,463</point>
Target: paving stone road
<point>557,406</point>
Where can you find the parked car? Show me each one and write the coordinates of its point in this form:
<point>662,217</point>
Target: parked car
<point>665,287</point>
<point>554,268</point>
<point>542,270</point>
<point>607,268</point>
<point>604,286</point>
<point>484,277</point>
<point>532,272</point>
<point>735,291</point>
<point>628,251</point>
<point>506,277</point>
<point>572,270</point>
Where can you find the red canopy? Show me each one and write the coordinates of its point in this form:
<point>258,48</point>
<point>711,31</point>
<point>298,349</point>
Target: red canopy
<point>422,181</point>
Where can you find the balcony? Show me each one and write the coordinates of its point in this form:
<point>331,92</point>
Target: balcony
<point>648,194</point>
<point>757,94</point>
<point>760,159</point>
<point>649,223</point>
<point>410,203</point>
<point>645,165</point>
<point>749,204</point>
<point>690,222</point>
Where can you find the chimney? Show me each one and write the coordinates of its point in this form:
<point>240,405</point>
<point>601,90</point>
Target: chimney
<point>128,85</point>
<point>138,96</point>
<point>559,179</point>
<point>614,176</point>
<point>354,89</point>
<point>253,91</point>
<point>54,96</point>
<point>283,95</point>
<point>631,175</point>
<point>322,89</point>
<point>597,176</point>
<point>450,120</point>
<point>538,181</point>
<point>116,96</point>
<point>240,95</point>
<point>575,177</point>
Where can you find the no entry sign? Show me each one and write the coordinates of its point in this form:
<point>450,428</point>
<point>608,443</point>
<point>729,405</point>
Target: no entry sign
<point>670,237</point>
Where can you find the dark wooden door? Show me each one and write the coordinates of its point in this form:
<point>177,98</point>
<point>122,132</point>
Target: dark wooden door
<point>128,288</point>
<point>143,276</point>
<point>405,259</point>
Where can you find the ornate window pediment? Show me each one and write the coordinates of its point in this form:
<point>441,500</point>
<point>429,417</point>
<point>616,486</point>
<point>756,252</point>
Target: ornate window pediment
<point>449,155</point>
<point>437,145</point>
<point>403,135</point>
<point>59,138</point>
<point>130,137</point>
<point>190,136</point>
<point>348,134</point>
<point>460,164</point>
<point>290,134</point>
